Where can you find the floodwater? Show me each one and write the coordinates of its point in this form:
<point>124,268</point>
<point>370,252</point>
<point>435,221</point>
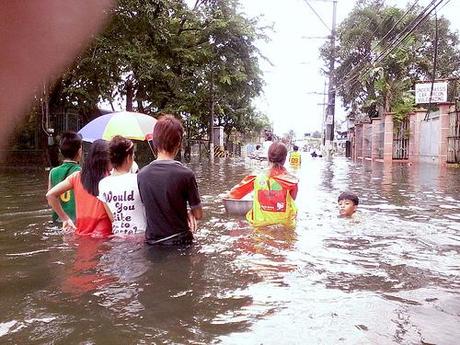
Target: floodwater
<point>389,277</point>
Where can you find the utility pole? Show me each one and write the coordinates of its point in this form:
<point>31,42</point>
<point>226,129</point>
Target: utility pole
<point>329,116</point>
<point>211,131</point>
<point>330,110</point>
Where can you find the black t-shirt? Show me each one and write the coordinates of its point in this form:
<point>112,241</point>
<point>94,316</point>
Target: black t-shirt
<point>165,187</point>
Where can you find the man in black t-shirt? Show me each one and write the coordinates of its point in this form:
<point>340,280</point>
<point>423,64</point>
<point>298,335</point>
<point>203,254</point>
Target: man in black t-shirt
<point>166,187</point>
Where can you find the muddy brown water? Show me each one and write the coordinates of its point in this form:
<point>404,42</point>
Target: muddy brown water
<point>389,277</point>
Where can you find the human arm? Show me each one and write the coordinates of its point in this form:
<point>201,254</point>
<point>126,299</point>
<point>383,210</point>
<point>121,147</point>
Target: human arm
<point>102,187</point>
<point>193,197</point>
<point>192,216</point>
<point>107,210</point>
<point>293,191</point>
<point>288,182</point>
<point>53,200</point>
<point>244,187</point>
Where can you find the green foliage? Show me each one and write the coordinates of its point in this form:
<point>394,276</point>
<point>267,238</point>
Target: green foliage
<point>363,36</point>
<point>162,56</point>
<point>403,106</point>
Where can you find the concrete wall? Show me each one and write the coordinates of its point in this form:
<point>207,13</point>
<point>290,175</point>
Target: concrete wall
<point>428,139</point>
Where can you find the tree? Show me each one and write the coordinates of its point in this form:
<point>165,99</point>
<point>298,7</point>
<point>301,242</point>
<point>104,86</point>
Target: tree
<point>370,87</point>
<point>162,56</point>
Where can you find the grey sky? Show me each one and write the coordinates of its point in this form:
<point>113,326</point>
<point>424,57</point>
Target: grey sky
<point>296,65</point>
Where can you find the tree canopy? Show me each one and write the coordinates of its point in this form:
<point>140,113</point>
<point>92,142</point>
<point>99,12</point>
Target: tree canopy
<point>163,56</point>
<point>371,79</point>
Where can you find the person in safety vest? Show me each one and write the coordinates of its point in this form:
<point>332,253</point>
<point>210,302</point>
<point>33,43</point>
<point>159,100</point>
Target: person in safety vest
<point>294,157</point>
<point>274,191</point>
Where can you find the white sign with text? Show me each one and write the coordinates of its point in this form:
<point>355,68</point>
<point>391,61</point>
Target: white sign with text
<point>423,91</point>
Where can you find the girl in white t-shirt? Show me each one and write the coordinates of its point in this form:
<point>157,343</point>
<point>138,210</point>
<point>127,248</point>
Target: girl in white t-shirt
<point>119,191</point>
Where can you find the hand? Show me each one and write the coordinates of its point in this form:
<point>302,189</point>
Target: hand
<point>191,220</point>
<point>68,225</point>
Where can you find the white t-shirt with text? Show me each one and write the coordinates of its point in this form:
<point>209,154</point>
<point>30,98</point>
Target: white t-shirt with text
<point>121,194</point>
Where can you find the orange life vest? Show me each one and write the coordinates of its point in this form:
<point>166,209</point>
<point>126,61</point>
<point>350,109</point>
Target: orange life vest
<point>272,204</point>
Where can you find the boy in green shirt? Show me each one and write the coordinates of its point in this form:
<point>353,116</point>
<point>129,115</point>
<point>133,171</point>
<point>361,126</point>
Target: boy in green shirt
<point>70,147</point>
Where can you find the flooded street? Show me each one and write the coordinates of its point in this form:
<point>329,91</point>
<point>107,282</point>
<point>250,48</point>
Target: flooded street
<point>389,277</point>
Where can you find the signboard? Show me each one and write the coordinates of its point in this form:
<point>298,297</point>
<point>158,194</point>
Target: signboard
<point>329,120</point>
<point>423,91</point>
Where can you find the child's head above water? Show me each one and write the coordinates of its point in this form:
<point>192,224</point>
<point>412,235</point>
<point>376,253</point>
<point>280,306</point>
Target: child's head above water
<point>348,203</point>
<point>295,148</point>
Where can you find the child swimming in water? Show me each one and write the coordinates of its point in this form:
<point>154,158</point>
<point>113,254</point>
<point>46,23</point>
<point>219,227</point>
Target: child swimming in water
<point>348,204</point>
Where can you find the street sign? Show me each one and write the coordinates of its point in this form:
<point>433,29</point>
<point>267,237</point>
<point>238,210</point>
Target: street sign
<point>423,91</point>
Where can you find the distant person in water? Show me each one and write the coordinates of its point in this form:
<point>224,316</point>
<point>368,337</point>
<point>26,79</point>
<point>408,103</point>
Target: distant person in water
<point>70,146</point>
<point>266,145</point>
<point>274,191</point>
<point>168,189</point>
<point>295,158</point>
<point>348,204</point>
<point>91,216</point>
<point>257,152</point>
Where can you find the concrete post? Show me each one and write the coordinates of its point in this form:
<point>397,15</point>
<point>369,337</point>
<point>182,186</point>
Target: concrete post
<point>367,129</point>
<point>444,110</point>
<point>375,138</point>
<point>358,141</point>
<point>388,138</point>
<point>413,138</point>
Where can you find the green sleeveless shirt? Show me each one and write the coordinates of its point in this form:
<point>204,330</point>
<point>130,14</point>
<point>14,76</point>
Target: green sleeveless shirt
<point>67,199</point>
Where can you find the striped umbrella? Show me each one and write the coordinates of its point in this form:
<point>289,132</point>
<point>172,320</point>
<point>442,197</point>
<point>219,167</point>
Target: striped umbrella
<point>131,125</point>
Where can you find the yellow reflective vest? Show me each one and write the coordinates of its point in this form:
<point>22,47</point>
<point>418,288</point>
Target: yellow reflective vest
<point>294,158</point>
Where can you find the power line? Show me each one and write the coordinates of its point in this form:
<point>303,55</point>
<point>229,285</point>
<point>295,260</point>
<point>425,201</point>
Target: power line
<point>317,15</point>
<point>363,61</point>
<point>407,29</point>
<point>398,40</point>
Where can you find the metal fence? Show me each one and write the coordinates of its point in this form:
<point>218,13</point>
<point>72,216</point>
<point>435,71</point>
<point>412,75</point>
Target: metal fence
<point>401,140</point>
<point>65,121</point>
<point>453,139</point>
<point>378,136</point>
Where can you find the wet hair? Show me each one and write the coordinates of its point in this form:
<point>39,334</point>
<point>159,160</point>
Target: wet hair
<point>69,144</point>
<point>349,196</point>
<point>96,166</point>
<point>277,153</point>
<point>167,133</point>
<point>295,148</point>
<point>120,148</point>
<point>257,147</point>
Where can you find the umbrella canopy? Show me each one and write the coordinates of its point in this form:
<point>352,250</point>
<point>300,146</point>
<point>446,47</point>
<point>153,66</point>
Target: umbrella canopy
<point>128,124</point>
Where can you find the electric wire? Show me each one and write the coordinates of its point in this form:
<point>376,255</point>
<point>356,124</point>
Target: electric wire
<point>382,39</point>
<point>400,38</point>
<point>435,63</point>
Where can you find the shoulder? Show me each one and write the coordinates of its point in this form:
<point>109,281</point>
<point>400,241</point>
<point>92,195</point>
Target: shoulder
<point>106,180</point>
<point>55,170</point>
<point>74,177</point>
<point>288,177</point>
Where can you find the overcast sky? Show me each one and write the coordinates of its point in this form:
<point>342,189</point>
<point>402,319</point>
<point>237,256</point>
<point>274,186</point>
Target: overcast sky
<point>295,69</point>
